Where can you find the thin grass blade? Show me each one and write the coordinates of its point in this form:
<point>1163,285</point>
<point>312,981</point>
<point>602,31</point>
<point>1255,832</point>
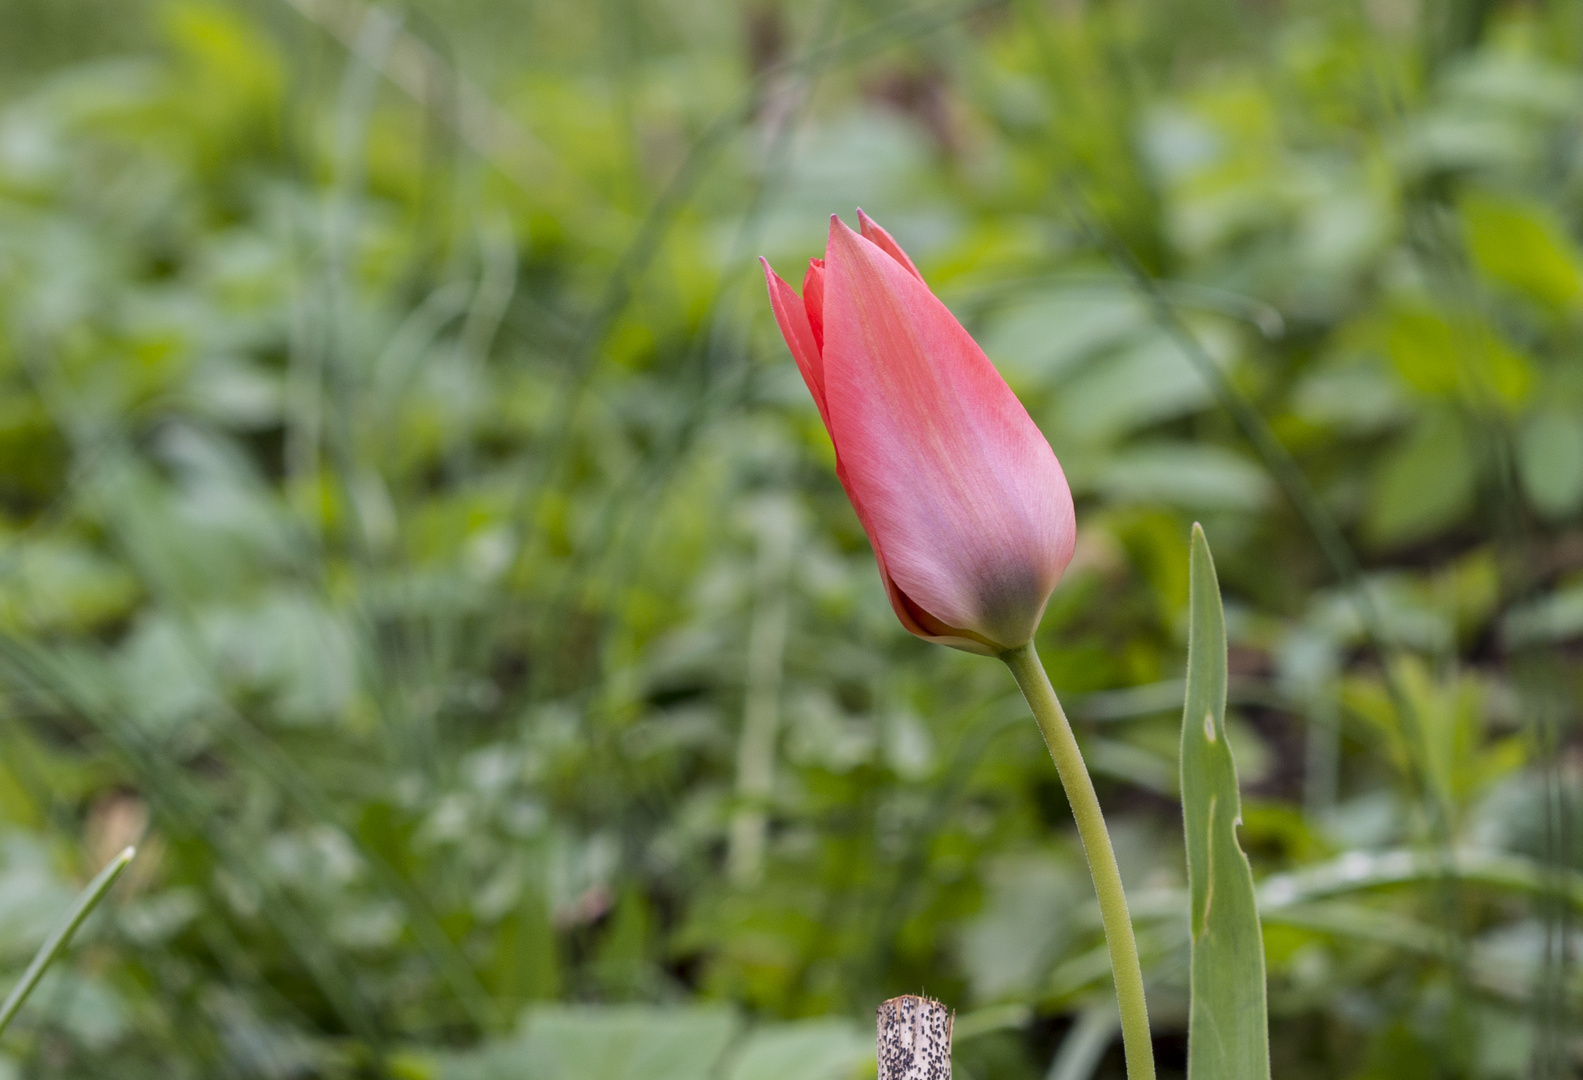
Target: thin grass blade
<point>1228,1033</point>
<point>56,943</point>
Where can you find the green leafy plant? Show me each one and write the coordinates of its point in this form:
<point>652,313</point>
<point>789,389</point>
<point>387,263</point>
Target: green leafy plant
<point>1228,1027</point>
<point>411,525</point>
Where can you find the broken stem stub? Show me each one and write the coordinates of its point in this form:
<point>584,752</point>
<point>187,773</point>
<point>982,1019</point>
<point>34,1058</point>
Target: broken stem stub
<point>914,1039</point>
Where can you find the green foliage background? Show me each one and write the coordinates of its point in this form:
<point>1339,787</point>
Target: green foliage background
<point>414,534</point>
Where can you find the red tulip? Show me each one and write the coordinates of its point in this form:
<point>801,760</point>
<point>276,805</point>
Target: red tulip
<point>961,496</point>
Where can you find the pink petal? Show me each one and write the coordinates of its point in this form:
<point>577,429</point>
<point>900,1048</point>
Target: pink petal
<point>795,327</point>
<point>813,298</point>
<point>792,317</point>
<point>960,493</point>
<point>882,239</point>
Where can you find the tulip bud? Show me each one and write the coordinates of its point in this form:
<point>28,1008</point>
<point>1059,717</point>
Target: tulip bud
<point>966,507</point>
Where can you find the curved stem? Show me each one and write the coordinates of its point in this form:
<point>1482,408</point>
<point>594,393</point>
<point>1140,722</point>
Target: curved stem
<point>1035,686</point>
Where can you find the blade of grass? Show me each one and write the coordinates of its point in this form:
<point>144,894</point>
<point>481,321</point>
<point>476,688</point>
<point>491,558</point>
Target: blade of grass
<point>69,689</point>
<point>1359,871</point>
<point>1228,1033</point>
<point>428,78</point>
<point>130,527</point>
<point>56,943</point>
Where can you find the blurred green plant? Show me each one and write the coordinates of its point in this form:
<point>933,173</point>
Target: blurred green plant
<point>415,539</point>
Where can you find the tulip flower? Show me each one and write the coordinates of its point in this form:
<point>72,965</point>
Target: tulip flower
<point>966,507</point>
<point>963,501</point>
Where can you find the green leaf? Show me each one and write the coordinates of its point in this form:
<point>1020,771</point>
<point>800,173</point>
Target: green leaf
<point>1009,947</point>
<point>824,1049</point>
<point>1228,1033</point>
<point>56,943</point>
<point>1426,483</point>
<point>1353,397</point>
<point>1522,246</point>
<point>1185,474</point>
<point>629,1042</point>
<point>1046,335</point>
<point>1445,355</point>
<point>1546,620</point>
<point>1146,383</point>
<point>1423,348</point>
<point>1550,462</point>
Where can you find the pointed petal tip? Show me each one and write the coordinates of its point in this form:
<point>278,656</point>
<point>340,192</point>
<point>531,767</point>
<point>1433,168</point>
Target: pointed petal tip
<point>770,276</point>
<point>840,233</point>
<point>871,230</point>
<point>875,234</point>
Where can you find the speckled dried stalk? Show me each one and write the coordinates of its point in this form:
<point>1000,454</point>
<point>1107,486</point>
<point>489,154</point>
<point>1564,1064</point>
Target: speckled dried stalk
<point>914,1039</point>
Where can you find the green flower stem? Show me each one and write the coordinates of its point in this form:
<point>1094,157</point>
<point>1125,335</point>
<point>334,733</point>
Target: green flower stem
<point>1035,685</point>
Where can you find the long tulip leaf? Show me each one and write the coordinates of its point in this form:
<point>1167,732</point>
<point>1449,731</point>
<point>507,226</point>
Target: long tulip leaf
<point>1228,1033</point>
<point>58,939</point>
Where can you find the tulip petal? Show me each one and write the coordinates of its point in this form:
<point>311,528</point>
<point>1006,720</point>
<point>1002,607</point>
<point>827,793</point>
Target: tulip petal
<point>813,298</point>
<point>797,331</point>
<point>882,239</point>
<point>792,318</point>
<point>958,490</point>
